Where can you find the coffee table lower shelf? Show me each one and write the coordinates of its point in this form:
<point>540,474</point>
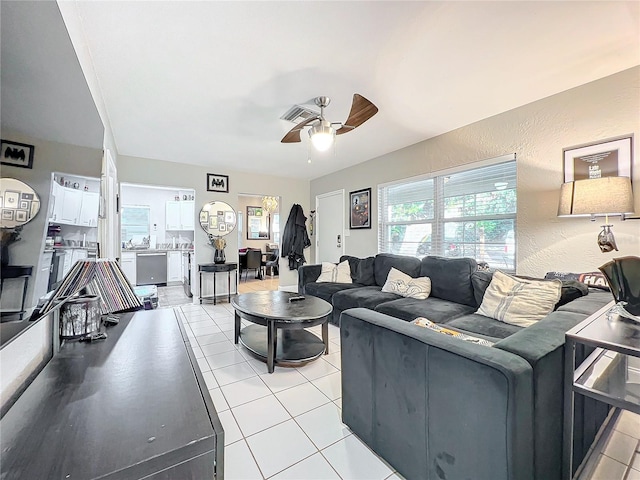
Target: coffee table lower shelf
<point>293,347</point>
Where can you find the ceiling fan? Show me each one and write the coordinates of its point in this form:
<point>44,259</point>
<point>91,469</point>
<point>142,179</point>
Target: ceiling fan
<point>323,132</point>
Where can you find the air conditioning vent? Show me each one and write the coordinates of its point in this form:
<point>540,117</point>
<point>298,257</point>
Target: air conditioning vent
<point>297,114</point>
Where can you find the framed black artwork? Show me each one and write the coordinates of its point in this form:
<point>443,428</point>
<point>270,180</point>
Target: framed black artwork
<point>16,154</point>
<point>217,183</point>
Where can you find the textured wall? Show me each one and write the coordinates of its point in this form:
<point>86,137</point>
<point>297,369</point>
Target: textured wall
<point>537,133</point>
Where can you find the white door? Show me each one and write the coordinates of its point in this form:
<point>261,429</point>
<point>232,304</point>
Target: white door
<point>109,230</point>
<point>329,229</point>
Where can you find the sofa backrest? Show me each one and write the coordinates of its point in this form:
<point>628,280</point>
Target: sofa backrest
<point>450,278</point>
<point>385,261</point>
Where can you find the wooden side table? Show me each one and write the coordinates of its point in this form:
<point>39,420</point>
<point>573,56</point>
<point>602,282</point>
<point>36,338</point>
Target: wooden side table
<point>610,374</point>
<point>217,268</point>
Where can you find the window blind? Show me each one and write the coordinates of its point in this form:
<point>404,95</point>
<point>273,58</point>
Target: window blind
<point>464,213</point>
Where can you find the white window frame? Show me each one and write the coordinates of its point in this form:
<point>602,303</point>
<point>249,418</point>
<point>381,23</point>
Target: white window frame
<point>436,225</point>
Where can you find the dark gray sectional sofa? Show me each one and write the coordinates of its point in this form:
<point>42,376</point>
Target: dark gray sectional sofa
<point>436,407</point>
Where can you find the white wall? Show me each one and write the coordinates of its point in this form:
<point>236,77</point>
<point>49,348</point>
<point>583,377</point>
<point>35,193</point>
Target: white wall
<point>537,133</point>
<point>156,172</point>
<point>156,199</point>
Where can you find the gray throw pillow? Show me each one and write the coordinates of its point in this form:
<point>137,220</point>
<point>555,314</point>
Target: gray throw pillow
<point>361,269</point>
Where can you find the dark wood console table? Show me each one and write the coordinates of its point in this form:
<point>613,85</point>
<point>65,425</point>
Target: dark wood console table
<point>217,268</point>
<point>16,271</point>
<point>132,406</point>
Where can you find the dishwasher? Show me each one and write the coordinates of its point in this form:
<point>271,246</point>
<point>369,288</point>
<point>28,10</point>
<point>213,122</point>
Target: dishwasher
<point>151,268</point>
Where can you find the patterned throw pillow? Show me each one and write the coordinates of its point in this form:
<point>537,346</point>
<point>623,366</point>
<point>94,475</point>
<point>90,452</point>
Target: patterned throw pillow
<point>331,272</point>
<point>423,322</point>
<point>402,284</point>
<point>519,301</point>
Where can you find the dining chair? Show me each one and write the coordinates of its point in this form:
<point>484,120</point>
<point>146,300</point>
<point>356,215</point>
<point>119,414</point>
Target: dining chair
<point>272,262</point>
<point>253,262</point>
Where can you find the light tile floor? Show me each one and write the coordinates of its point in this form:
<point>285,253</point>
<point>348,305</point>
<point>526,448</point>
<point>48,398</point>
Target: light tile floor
<point>300,409</point>
<point>285,425</point>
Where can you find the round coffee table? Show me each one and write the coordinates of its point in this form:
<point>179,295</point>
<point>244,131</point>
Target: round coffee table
<point>273,310</point>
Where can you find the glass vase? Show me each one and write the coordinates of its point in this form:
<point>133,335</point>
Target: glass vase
<point>218,256</point>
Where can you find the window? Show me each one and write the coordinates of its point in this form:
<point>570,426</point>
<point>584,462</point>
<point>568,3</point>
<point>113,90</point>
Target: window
<point>470,213</point>
<point>135,223</point>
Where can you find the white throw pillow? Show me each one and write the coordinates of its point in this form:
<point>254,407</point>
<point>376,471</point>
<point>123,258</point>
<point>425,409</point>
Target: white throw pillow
<point>518,301</point>
<point>402,284</point>
<point>331,272</point>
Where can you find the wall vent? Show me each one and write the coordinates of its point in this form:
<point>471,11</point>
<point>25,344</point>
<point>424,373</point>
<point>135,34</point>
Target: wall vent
<point>297,114</point>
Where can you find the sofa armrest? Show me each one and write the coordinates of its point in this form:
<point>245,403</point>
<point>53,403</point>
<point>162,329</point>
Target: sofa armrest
<point>434,406</point>
<point>308,274</point>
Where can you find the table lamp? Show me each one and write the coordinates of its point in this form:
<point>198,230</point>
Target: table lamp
<point>598,196</point>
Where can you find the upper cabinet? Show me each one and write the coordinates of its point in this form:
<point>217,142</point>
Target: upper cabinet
<point>180,215</point>
<point>89,209</point>
<point>72,206</point>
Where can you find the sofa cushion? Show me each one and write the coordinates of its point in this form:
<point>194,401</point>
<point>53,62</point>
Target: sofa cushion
<point>519,301</point>
<point>326,290</point>
<point>406,286</point>
<point>361,269</point>
<point>335,273</point>
<point>365,297</point>
<point>384,262</point>
<point>488,327</point>
<point>435,309</point>
<point>450,278</point>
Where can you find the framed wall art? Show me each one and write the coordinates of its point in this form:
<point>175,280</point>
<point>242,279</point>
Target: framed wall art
<point>217,183</point>
<point>605,158</point>
<point>16,154</point>
<point>360,209</point>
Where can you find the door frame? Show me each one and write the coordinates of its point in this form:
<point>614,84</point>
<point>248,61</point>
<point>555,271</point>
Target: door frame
<point>340,192</point>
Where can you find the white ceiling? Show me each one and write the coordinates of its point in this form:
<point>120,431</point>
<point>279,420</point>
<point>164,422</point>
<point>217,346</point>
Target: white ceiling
<point>206,82</point>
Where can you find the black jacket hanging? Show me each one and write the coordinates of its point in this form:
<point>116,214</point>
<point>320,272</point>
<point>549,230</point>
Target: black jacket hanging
<point>295,238</point>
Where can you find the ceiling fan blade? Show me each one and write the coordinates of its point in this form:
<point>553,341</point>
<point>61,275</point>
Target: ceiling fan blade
<point>361,111</point>
<point>293,135</point>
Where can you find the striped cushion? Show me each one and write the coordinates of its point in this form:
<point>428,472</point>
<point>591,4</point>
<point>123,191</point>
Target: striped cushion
<point>519,301</point>
<point>331,272</point>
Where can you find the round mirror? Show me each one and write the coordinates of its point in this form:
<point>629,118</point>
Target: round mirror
<point>19,203</point>
<point>218,218</point>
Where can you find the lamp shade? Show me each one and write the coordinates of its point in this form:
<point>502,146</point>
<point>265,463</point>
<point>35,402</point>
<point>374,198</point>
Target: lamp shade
<point>597,196</point>
<point>322,135</point>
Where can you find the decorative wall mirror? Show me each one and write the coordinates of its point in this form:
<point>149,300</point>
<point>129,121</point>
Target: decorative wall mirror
<point>258,224</point>
<point>218,218</point>
<point>19,203</point>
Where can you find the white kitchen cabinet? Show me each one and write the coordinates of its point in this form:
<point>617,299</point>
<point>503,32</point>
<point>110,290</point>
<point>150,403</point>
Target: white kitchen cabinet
<point>78,254</point>
<point>180,215</point>
<point>174,266</point>
<point>89,209</point>
<point>66,266</point>
<point>56,201</point>
<point>41,285</point>
<point>187,215</point>
<point>173,216</point>
<point>128,264</point>
<point>67,205</point>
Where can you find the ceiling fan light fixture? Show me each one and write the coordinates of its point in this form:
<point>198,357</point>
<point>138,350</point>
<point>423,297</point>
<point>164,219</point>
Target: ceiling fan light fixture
<point>322,135</point>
